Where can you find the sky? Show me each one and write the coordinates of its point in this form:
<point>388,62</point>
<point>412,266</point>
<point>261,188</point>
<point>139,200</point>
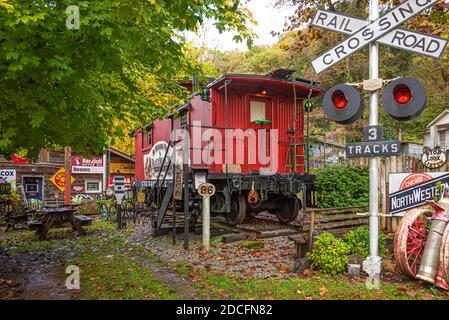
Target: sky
<point>268,18</point>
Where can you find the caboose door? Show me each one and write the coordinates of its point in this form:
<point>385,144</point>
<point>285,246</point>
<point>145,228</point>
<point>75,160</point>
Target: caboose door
<point>260,110</point>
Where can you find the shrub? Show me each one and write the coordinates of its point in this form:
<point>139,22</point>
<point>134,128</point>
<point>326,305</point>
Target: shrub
<point>358,242</point>
<point>342,186</point>
<point>89,208</point>
<point>330,254</point>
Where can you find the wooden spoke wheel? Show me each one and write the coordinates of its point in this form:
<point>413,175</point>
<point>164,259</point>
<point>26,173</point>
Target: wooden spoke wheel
<point>288,210</point>
<point>238,210</point>
<point>411,238</point>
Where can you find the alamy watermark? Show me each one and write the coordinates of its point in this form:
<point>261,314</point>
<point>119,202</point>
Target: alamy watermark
<point>73,20</point>
<point>72,282</point>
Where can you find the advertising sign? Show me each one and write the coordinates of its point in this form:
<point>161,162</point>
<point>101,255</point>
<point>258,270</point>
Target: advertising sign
<point>410,190</point>
<point>8,176</point>
<point>58,179</point>
<point>128,181</point>
<point>434,158</point>
<point>154,161</point>
<point>88,166</point>
<point>121,168</point>
<point>5,189</point>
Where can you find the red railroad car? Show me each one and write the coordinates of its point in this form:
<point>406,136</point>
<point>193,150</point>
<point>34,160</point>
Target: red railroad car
<point>244,134</point>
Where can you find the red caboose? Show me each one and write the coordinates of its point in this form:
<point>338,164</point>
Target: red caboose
<point>244,134</point>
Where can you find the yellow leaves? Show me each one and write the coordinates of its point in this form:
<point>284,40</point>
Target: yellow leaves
<point>322,291</point>
<point>6,5</point>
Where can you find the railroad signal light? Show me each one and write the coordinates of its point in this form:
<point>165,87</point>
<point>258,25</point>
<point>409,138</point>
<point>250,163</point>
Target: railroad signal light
<point>343,104</point>
<point>339,100</point>
<point>402,94</point>
<point>404,99</point>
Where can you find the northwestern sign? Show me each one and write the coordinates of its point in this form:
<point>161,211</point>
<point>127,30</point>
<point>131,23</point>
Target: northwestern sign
<point>417,194</point>
<point>373,149</point>
<point>413,41</point>
<point>374,31</point>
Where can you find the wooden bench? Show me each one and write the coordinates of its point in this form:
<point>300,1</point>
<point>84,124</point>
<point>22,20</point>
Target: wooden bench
<point>15,214</point>
<point>301,244</point>
<point>84,220</point>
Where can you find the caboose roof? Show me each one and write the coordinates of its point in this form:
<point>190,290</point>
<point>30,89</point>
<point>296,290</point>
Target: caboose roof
<point>282,86</point>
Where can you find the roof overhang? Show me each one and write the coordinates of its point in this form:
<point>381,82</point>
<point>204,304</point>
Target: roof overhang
<point>279,86</point>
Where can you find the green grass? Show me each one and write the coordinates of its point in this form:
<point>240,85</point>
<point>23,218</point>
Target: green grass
<point>317,287</point>
<point>249,244</point>
<point>111,266</point>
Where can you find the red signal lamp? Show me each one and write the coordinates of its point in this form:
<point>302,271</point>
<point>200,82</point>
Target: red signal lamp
<point>343,104</point>
<point>404,98</point>
<point>402,94</point>
<point>339,100</point>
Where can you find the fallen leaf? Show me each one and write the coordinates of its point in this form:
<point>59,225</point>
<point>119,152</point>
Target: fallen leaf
<point>323,291</point>
<point>308,298</point>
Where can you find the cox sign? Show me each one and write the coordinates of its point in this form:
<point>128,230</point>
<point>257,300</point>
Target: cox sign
<point>8,176</point>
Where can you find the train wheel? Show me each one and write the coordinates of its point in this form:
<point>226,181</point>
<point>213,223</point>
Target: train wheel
<point>288,210</point>
<point>411,240</point>
<point>238,210</point>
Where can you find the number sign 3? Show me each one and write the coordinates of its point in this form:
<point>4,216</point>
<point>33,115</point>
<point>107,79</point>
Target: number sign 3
<point>372,133</point>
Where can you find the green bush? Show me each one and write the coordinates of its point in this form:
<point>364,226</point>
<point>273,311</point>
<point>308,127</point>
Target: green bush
<point>342,186</point>
<point>330,254</point>
<point>358,242</point>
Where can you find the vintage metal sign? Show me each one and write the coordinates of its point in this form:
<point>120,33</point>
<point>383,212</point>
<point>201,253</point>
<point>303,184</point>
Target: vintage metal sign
<point>5,189</point>
<point>407,191</point>
<point>413,41</point>
<point>121,168</point>
<point>373,149</point>
<point>8,176</point>
<point>434,158</point>
<point>87,166</point>
<point>372,32</point>
<point>58,179</point>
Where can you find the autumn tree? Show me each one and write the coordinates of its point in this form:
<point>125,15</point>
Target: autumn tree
<point>305,43</point>
<point>67,87</point>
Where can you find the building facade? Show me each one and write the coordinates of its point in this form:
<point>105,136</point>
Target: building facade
<point>92,175</point>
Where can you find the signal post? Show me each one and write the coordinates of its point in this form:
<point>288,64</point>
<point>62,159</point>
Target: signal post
<point>403,99</point>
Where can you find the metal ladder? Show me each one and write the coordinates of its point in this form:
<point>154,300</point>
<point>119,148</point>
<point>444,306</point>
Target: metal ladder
<point>294,151</point>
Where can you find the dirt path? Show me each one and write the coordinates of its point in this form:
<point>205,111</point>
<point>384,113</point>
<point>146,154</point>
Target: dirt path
<point>32,276</point>
<point>163,272</point>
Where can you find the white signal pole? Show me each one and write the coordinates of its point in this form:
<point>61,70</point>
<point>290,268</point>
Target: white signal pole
<point>373,262</point>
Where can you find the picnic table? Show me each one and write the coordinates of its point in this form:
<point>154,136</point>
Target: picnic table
<point>56,218</point>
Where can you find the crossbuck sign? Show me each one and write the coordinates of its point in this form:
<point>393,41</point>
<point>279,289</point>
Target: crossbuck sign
<point>383,30</point>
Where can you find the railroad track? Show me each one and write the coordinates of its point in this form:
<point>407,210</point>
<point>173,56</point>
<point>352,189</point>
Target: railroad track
<point>337,221</point>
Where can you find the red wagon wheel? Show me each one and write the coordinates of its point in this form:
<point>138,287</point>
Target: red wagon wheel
<point>411,239</point>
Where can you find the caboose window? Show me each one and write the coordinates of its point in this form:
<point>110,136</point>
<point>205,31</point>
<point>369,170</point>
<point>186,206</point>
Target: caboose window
<point>257,110</point>
<point>183,118</point>
<point>150,137</point>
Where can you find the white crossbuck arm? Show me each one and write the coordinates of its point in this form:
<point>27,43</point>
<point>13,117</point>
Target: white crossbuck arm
<point>413,41</point>
<point>371,32</point>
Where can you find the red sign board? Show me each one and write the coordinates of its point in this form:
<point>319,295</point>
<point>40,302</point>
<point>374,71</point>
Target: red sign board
<point>83,165</point>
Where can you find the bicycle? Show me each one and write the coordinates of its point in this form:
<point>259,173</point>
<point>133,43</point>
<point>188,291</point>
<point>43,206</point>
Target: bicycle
<point>108,209</point>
